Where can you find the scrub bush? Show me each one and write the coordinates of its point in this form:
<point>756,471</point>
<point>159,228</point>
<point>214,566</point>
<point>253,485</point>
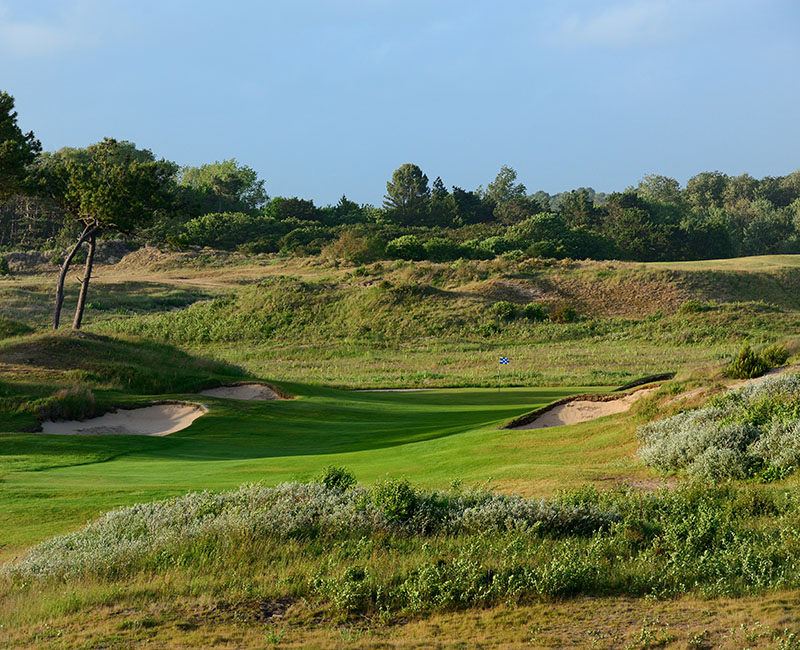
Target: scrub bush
<point>396,498</point>
<point>534,311</point>
<point>736,435</point>
<point>775,355</point>
<point>337,478</point>
<point>747,365</point>
<point>504,309</point>
<point>564,313</point>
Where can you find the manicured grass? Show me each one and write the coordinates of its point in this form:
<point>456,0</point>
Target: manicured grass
<point>752,263</point>
<point>53,483</point>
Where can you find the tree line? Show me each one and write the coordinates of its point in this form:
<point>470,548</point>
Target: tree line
<point>67,199</point>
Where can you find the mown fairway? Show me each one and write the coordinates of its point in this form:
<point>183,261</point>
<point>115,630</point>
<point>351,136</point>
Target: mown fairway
<point>55,483</point>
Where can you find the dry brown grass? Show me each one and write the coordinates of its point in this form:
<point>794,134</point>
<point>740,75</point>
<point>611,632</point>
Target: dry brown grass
<point>135,620</point>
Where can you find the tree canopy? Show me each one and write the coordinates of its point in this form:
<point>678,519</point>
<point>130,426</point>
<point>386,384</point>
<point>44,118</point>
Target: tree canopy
<point>224,186</point>
<point>18,150</point>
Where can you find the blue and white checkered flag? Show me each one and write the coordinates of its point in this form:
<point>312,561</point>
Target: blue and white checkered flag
<point>504,361</point>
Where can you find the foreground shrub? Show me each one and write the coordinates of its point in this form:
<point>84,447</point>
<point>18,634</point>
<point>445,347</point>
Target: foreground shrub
<point>456,549</point>
<point>747,365</point>
<point>734,436</point>
<point>535,311</point>
<point>156,534</point>
<point>504,309</point>
<point>775,355</point>
<point>405,247</point>
<point>5,269</point>
<point>337,478</point>
<point>396,498</point>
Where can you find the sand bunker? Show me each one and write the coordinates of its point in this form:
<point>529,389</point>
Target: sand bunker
<point>158,420</point>
<point>254,392</point>
<point>582,410</point>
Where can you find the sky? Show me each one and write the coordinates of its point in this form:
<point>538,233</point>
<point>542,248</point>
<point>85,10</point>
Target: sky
<point>328,97</point>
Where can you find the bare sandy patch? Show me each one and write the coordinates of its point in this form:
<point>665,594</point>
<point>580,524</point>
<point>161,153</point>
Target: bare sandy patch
<point>575,411</point>
<point>158,420</point>
<point>253,392</point>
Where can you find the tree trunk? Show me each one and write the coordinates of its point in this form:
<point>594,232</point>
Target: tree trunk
<point>63,274</point>
<point>87,274</point>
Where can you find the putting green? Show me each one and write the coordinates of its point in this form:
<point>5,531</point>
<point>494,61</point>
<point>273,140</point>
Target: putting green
<point>50,484</point>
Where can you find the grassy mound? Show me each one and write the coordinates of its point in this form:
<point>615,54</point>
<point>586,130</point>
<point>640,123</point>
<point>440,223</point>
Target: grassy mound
<point>82,375</point>
<point>124,364</point>
<point>9,328</point>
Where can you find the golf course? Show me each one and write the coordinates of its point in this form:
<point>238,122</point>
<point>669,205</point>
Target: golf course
<point>283,410</point>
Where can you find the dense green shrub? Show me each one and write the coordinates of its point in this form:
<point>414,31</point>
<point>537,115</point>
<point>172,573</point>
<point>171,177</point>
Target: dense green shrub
<point>336,478</point>
<point>440,249</point>
<point>504,309</point>
<point>396,498</point>
<point>535,311</point>
<point>5,269</point>
<point>407,247</point>
<point>775,355</point>
<point>489,328</point>
<point>747,364</point>
<point>229,230</point>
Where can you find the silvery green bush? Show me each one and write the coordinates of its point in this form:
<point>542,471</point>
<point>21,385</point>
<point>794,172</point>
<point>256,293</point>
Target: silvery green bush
<point>161,531</point>
<point>734,436</point>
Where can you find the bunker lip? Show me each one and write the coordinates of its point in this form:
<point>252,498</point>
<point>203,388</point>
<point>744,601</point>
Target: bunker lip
<point>246,390</point>
<point>578,408</point>
<point>159,419</point>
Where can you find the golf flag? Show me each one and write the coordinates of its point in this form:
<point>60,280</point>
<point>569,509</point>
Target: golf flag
<point>504,361</point>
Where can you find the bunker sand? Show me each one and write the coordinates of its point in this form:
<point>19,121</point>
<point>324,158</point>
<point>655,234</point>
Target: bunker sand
<point>252,392</point>
<point>583,410</point>
<point>158,420</point>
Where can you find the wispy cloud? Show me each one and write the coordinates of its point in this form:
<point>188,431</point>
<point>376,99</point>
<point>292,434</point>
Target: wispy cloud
<point>632,23</point>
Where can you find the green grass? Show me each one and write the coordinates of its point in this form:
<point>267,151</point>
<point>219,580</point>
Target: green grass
<point>432,437</point>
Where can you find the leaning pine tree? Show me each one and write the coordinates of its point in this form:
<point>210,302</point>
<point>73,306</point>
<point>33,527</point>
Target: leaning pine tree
<point>109,186</point>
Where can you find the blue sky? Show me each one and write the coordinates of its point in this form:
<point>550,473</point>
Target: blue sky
<point>329,97</point>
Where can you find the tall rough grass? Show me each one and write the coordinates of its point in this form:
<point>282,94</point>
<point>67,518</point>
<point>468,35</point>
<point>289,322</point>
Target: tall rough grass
<point>347,547</point>
<point>141,534</point>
